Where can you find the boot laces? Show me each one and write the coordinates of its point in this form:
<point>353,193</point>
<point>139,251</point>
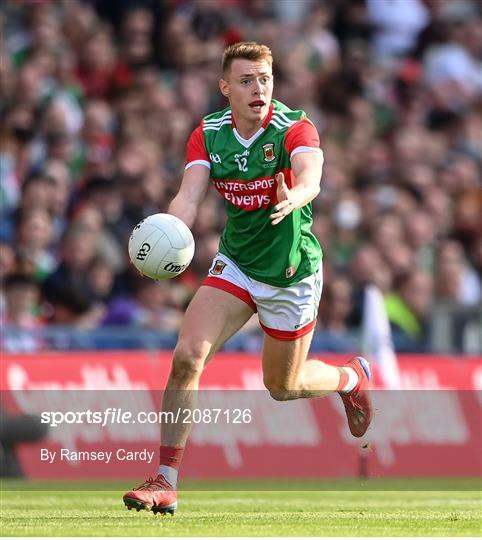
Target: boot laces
<point>154,484</point>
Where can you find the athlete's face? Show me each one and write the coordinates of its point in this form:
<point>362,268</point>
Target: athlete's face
<point>249,86</point>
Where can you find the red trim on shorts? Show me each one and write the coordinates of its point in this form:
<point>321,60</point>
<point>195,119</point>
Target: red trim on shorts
<point>231,288</point>
<point>287,335</point>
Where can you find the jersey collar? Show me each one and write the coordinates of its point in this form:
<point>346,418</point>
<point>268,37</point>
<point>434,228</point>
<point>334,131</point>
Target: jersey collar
<point>248,142</point>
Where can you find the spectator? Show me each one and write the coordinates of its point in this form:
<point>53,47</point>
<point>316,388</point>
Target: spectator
<point>78,248</point>
<point>452,69</point>
<point>7,260</point>
<point>100,278</point>
<point>96,63</point>
<point>408,308</point>
<point>367,267</point>
<point>335,308</point>
<point>455,279</point>
<point>397,24</point>
<point>34,238</point>
<point>74,309</point>
<point>151,307</point>
<point>17,151</point>
<point>21,313</point>
<point>37,191</point>
<point>420,235</point>
<point>91,218</point>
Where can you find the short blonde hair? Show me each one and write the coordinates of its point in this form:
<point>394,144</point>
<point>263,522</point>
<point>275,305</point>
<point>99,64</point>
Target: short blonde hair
<point>249,50</point>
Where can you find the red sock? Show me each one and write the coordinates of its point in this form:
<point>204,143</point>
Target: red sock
<point>171,456</point>
<point>343,379</point>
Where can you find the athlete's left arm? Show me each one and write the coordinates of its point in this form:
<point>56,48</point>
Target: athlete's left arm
<point>302,143</point>
<point>306,169</point>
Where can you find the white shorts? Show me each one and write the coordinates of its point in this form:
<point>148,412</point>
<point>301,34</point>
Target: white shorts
<point>285,313</point>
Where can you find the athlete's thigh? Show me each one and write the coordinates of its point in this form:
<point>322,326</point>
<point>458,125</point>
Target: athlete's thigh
<point>212,317</point>
<point>283,360</point>
<point>288,313</point>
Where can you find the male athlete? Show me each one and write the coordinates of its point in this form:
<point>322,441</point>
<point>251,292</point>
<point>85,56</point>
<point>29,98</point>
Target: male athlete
<point>266,161</point>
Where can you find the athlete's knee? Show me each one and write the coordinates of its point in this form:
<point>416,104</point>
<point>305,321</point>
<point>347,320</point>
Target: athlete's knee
<point>188,360</point>
<point>281,391</point>
<point>283,395</point>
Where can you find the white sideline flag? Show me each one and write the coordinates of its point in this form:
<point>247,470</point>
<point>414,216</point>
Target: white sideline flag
<point>377,341</point>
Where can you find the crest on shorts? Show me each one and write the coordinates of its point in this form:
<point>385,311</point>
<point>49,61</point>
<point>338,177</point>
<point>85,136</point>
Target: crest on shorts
<point>268,150</point>
<point>290,271</point>
<point>218,267</point>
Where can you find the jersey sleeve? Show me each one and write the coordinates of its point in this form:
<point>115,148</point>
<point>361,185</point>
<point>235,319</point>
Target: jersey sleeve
<point>302,137</point>
<point>196,153</point>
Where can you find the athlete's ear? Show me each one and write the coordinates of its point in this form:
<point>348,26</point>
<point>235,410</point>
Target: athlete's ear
<point>224,87</point>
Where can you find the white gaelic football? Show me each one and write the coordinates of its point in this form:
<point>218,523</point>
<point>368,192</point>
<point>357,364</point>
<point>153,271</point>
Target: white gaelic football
<point>161,246</point>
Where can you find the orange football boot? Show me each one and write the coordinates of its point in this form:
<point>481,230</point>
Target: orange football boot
<point>154,494</point>
<point>358,405</point>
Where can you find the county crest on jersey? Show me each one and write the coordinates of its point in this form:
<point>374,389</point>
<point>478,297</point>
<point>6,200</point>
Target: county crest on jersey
<point>243,171</point>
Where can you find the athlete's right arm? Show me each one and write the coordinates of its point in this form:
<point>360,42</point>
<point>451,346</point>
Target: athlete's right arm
<point>195,180</point>
<point>190,195</point>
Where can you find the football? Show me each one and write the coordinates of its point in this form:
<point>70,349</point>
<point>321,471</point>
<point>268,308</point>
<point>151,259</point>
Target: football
<point>161,246</point>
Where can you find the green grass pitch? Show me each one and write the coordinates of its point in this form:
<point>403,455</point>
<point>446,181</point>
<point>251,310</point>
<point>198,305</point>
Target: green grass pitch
<point>257,508</point>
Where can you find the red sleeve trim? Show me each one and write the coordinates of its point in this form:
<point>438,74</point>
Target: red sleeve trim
<point>196,151</point>
<point>303,133</point>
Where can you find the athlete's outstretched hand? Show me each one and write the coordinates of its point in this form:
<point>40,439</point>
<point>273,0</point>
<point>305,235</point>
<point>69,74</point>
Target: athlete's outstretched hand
<point>285,205</point>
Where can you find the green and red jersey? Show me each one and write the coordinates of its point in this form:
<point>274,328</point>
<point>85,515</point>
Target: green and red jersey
<point>243,170</point>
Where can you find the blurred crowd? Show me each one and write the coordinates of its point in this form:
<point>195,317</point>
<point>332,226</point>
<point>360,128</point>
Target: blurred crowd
<point>98,98</point>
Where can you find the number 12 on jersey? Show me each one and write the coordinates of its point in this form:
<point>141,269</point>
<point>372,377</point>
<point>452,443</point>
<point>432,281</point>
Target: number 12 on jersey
<point>242,163</point>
